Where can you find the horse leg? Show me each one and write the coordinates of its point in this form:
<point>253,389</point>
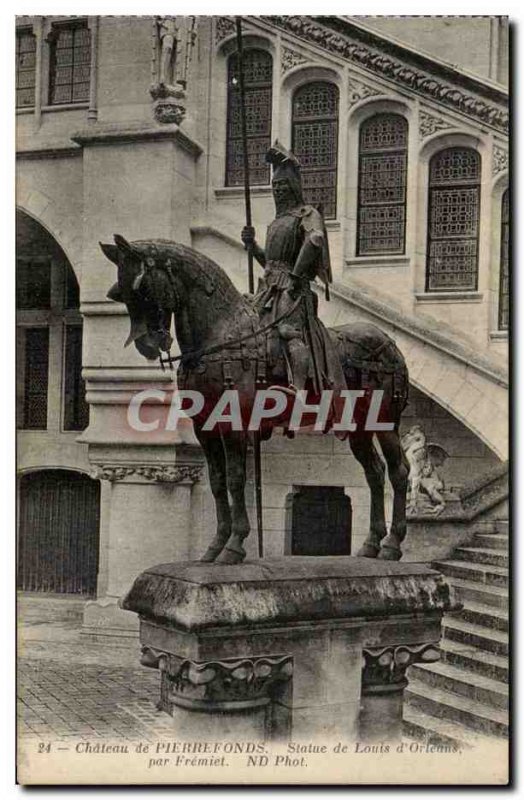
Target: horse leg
<point>367,455</point>
<point>216,463</point>
<point>235,446</point>
<point>398,471</point>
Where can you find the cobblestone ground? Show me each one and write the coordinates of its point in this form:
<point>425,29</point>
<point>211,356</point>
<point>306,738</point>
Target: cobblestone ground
<point>71,687</point>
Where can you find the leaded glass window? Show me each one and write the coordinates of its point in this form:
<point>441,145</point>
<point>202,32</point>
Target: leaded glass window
<point>25,69</point>
<point>383,161</point>
<point>69,64</point>
<point>453,227</point>
<point>36,358</point>
<point>258,83</point>
<point>314,142</point>
<point>504,264</point>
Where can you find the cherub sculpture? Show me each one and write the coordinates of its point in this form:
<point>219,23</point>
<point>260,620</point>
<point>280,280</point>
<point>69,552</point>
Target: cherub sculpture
<point>424,457</point>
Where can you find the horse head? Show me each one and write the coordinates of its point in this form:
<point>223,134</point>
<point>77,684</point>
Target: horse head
<point>137,288</point>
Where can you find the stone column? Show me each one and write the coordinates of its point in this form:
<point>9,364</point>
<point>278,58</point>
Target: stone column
<point>383,683</point>
<point>274,649</point>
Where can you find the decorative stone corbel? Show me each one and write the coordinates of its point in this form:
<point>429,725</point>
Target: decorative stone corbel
<point>383,683</point>
<point>217,686</point>
<point>500,160</point>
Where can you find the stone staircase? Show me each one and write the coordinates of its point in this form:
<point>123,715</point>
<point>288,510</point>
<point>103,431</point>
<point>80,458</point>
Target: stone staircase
<point>463,698</point>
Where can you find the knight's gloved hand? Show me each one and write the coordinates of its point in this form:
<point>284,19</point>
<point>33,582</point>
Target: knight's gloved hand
<point>248,237</point>
<point>293,289</point>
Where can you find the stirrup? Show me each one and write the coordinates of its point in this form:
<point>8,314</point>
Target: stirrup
<point>290,390</point>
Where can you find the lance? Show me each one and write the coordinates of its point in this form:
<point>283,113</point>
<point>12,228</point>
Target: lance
<point>247,195</point>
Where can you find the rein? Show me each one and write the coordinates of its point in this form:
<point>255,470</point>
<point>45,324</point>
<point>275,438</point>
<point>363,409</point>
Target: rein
<point>196,355</point>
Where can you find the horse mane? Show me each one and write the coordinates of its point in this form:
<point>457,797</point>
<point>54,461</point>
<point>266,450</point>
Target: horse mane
<point>203,272</point>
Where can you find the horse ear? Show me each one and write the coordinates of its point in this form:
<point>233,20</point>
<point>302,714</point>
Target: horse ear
<point>123,244</point>
<point>110,251</point>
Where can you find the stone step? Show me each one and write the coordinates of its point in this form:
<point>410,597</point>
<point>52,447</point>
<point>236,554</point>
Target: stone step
<point>466,591</point>
<point>479,573</point>
<point>482,555</point>
<point>448,705</point>
<point>463,682</point>
<point>437,730</point>
<point>473,658</point>
<point>502,526</point>
<point>482,614</point>
<point>494,541</point>
<point>459,630</point>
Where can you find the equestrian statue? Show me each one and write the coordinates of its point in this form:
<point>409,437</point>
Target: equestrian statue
<point>274,339</point>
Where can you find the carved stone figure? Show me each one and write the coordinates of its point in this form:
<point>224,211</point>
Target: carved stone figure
<point>424,478</point>
<point>175,40</point>
<point>225,344</point>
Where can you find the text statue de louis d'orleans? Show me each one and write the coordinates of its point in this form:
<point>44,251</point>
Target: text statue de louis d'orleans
<point>232,341</point>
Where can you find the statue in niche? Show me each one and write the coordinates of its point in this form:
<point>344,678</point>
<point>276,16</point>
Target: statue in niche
<point>426,485</point>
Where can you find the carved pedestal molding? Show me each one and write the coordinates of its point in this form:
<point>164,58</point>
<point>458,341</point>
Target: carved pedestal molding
<point>225,685</point>
<point>383,683</point>
<point>158,473</point>
<point>385,668</point>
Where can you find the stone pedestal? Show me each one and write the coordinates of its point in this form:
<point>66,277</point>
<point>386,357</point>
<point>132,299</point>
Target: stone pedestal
<point>300,647</point>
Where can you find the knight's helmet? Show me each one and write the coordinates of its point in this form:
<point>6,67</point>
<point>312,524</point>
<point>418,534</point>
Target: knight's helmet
<point>286,165</point>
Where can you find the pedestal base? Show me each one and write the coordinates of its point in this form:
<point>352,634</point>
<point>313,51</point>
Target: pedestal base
<point>290,648</point>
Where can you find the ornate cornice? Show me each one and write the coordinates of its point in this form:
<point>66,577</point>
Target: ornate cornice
<point>386,666</point>
<point>158,473</point>
<point>407,74</point>
<point>224,26</point>
<point>214,686</point>
<point>290,59</point>
<point>429,124</point>
<point>500,160</point>
<point>358,91</point>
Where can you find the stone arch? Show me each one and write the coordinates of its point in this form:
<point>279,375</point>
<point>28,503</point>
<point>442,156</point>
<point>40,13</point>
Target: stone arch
<point>46,211</point>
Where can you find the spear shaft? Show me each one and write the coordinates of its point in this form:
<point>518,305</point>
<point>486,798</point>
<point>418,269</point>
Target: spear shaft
<point>247,195</point>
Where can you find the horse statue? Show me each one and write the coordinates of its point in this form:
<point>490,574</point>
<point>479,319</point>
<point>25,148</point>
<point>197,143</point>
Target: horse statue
<point>223,345</point>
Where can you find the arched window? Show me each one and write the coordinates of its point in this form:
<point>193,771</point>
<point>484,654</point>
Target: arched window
<point>258,81</point>
<point>504,264</point>
<point>382,169</point>
<point>314,142</point>
<point>50,389</point>
<point>453,225</point>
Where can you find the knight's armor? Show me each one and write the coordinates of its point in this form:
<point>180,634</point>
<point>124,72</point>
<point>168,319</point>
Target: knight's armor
<point>296,253</point>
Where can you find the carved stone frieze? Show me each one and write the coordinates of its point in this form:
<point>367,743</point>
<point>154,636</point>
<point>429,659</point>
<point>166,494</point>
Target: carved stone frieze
<point>158,473</point>
<point>429,124</point>
<point>224,26</point>
<point>290,59</point>
<point>391,68</point>
<point>228,684</point>
<point>386,666</point>
<point>358,91</point>
<point>500,160</point>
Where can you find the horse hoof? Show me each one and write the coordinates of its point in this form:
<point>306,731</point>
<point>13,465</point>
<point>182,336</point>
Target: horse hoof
<point>389,554</point>
<point>228,556</point>
<point>368,551</point>
<point>210,555</point>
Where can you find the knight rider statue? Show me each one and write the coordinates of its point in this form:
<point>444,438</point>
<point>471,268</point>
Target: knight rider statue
<point>296,252</point>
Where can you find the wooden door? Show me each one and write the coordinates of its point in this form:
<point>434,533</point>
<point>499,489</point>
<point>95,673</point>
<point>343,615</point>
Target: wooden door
<point>318,521</point>
<point>58,532</point>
